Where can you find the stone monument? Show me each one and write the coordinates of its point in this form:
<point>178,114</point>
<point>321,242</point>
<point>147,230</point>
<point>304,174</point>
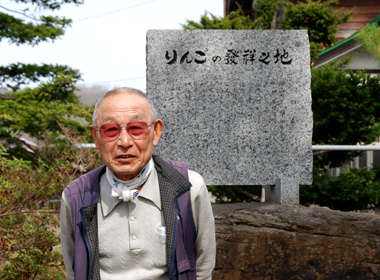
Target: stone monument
<point>236,105</point>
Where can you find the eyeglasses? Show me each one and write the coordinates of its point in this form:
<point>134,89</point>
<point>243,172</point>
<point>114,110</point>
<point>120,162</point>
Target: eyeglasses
<point>137,130</point>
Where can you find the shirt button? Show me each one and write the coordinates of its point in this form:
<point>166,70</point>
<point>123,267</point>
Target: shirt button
<point>134,237</point>
<point>132,218</point>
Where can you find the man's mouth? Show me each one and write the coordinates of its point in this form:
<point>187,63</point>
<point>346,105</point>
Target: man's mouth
<point>124,156</point>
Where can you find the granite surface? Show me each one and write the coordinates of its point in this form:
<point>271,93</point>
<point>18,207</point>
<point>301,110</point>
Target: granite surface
<point>236,104</point>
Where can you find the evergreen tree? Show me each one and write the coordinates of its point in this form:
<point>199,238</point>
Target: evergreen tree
<point>265,13</point>
<point>346,111</point>
<point>28,214</point>
<point>235,20</point>
<point>369,37</point>
<point>318,18</point>
<point>35,111</point>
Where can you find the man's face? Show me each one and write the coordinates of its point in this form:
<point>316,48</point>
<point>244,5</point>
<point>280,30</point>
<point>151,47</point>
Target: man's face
<point>126,156</point>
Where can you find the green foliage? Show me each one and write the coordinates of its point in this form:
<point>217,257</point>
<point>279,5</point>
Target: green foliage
<point>49,4</point>
<point>28,219</point>
<point>15,162</point>
<point>30,191</point>
<point>346,108</point>
<point>18,31</point>
<point>29,206</point>
<point>352,190</point>
<point>369,36</point>
<point>265,11</point>
<point>318,18</point>
<point>35,111</point>
<point>15,75</point>
<point>235,20</point>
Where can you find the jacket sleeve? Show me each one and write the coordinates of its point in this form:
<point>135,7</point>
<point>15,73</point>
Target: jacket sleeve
<point>67,236</point>
<point>205,245</point>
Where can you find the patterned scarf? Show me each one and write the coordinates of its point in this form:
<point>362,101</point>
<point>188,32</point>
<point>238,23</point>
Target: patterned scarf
<point>126,190</point>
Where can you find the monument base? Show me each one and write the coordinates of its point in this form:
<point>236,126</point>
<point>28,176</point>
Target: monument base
<point>285,191</point>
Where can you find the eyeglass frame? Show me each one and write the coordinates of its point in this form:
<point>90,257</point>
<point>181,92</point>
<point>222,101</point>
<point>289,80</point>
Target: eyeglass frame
<point>125,126</point>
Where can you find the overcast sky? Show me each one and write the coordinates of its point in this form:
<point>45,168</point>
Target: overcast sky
<point>107,39</point>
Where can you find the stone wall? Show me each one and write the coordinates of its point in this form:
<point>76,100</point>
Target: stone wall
<point>272,241</point>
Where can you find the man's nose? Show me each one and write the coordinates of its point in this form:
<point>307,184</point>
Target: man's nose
<point>124,139</point>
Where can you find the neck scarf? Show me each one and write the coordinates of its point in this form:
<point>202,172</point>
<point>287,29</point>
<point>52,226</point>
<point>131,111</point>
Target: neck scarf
<point>126,190</point>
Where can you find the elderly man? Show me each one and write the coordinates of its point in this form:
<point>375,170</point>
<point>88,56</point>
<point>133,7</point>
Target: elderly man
<point>137,216</point>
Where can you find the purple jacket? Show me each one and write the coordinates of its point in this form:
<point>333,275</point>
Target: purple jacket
<point>174,186</point>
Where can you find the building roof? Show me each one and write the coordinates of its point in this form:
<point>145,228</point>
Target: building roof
<point>375,20</point>
<point>363,12</point>
<point>342,48</point>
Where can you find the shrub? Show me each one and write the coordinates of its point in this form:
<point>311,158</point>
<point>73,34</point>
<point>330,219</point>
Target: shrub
<point>29,219</point>
<point>30,203</point>
<point>355,189</point>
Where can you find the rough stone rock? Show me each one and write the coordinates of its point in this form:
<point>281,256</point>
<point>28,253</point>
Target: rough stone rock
<point>243,122</point>
<point>273,241</point>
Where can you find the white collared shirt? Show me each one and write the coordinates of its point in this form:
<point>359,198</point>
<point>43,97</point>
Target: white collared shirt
<point>124,257</point>
<point>130,245</point>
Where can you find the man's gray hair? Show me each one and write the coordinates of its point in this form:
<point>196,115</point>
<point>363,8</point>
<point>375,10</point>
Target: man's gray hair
<point>123,90</point>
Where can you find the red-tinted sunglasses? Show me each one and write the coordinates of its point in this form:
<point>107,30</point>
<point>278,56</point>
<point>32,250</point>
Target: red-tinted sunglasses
<point>137,130</point>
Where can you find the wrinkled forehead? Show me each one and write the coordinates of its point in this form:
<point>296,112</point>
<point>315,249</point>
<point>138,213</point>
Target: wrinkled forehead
<point>123,105</point>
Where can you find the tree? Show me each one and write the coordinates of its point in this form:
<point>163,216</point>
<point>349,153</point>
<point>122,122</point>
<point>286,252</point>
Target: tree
<point>42,28</point>
<point>346,111</point>
<point>369,36</point>
<point>29,207</point>
<point>29,193</point>
<point>34,111</point>
<point>354,189</point>
<point>235,20</point>
<point>29,219</point>
<point>265,14</point>
<point>318,18</point>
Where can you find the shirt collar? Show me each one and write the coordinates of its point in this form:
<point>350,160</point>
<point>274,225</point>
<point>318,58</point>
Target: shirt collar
<point>150,191</point>
<point>106,201</point>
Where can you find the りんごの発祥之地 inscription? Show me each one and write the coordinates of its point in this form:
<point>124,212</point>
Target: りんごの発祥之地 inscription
<point>232,57</point>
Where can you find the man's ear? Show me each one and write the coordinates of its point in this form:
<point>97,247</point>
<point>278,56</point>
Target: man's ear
<point>93,131</point>
<point>158,126</point>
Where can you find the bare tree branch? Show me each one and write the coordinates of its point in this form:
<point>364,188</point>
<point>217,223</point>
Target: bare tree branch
<point>60,268</point>
<point>25,15</point>
<point>29,212</point>
<point>254,197</point>
<point>320,153</point>
<point>232,192</point>
<point>8,97</point>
